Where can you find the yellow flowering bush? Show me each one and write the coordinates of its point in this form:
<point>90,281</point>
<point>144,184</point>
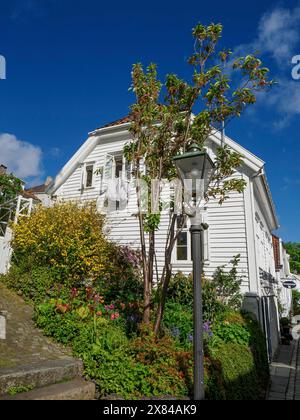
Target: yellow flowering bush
<point>66,238</point>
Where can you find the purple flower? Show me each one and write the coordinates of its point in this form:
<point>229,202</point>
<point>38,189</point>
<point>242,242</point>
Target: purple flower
<point>207,328</point>
<point>190,337</point>
<point>175,331</point>
<point>133,318</point>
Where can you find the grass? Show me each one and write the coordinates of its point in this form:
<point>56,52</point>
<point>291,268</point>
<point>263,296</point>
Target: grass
<point>14,390</point>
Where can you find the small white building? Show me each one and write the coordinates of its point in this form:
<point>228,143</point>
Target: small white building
<point>243,224</point>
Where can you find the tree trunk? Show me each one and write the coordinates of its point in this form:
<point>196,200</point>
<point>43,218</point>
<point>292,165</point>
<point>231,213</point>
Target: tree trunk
<point>166,276</point>
<point>151,258</point>
<point>147,289</point>
<point>162,301</point>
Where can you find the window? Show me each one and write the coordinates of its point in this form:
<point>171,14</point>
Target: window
<point>116,166</point>
<point>115,184</point>
<point>89,173</point>
<point>182,251</point>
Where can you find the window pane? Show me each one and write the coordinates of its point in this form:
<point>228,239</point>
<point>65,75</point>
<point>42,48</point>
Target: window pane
<point>89,175</point>
<point>182,239</point>
<point>119,166</point>
<point>181,222</point>
<point>108,167</point>
<point>182,253</point>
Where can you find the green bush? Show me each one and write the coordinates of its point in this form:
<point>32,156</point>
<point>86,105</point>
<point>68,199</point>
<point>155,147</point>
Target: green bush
<point>234,328</point>
<point>219,294</point>
<point>181,292</point>
<point>227,285</point>
<point>34,284</point>
<point>239,377</point>
<point>232,333</point>
<point>130,368</point>
<point>178,320</point>
<point>166,366</point>
<point>124,283</point>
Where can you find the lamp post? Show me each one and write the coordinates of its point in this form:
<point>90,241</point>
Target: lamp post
<point>195,169</point>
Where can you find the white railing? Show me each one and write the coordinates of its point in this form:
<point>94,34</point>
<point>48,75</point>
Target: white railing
<point>10,212</point>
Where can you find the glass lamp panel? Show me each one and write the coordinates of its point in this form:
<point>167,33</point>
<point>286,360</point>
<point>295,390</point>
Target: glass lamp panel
<point>208,172</point>
<point>190,167</point>
<point>197,167</point>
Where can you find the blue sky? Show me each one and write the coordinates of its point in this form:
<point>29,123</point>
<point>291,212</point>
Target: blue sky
<point>68,72</point>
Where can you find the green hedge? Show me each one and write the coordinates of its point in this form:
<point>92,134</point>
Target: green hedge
<point>238,373</point>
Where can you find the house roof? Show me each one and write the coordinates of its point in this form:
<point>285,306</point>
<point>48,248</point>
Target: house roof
<point>120,121</point>
<point>38,188</point>
<point>29,194</point>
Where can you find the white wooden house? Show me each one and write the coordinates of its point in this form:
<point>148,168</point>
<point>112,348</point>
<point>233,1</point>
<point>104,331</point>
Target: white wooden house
<point>243,224</point>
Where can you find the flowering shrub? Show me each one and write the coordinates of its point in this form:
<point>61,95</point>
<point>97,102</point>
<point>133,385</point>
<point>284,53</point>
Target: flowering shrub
<point>125,278</point>
<point>62,247</point>
<point>131,368</point>
<point>66,238</point>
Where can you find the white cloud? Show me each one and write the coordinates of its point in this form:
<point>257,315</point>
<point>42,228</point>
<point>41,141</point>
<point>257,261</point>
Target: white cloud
<point>278,33</point>
<point>21,158</point>
<point>285,99</point>
<point>278,37</point>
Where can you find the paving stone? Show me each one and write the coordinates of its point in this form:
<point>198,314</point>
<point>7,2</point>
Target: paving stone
<point>285,371</point>
<point>77,389</point>
<point>277,395</point>
<point>24,343</point>
<point>40,374</point>
<point>29,359</point>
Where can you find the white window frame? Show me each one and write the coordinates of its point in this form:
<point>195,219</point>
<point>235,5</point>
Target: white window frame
<point>189,247</point>
<point>126,175</point>
<point>84,187</point>
<point>206,241</point>
<point>115,155</point>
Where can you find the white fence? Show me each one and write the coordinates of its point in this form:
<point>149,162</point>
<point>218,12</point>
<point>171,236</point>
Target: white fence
<point>10,212</point>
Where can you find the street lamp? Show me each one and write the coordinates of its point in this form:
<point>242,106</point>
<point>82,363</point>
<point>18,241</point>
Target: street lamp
<point>196,167</point>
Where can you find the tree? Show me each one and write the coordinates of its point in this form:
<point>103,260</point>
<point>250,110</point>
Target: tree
<point>168,117</point>
<point>296,302</point>
<point>10,187</point>
<point>293,249</point>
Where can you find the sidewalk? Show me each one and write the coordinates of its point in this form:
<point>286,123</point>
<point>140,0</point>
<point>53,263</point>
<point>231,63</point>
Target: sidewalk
<point>285,371</point>
<point>24,343</point>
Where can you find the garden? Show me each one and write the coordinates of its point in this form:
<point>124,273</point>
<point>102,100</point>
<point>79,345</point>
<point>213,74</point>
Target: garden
<point>88,294</point>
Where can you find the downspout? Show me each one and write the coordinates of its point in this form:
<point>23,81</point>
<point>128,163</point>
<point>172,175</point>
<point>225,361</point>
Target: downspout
<point>260,172</point>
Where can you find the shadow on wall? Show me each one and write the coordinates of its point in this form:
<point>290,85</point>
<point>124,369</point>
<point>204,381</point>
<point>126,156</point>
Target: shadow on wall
<point>264,310</point>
